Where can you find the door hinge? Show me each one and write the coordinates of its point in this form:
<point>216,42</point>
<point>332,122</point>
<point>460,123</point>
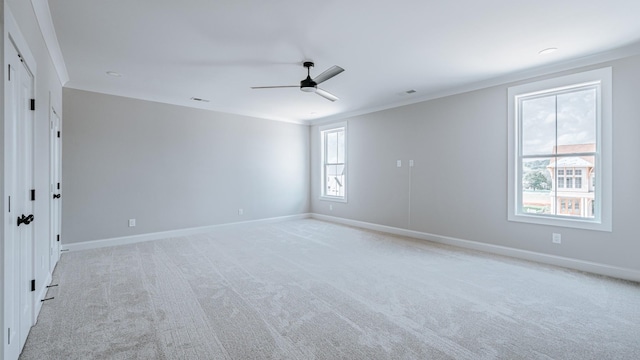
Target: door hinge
<point>58,237</point>
<point>33,194</point>
<point>58,133</point>
<point>33,104</point>
<point>9,203</point>
<point>8,336</point>
<point>9,75</point>
<point>33,285</point>
<point>58,186</point>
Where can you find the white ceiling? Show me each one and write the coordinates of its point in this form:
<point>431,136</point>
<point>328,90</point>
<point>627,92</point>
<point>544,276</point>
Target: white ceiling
<point>171,51</point>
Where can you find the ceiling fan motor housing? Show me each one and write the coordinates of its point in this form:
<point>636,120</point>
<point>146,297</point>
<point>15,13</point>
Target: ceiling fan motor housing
<point>308,85</point>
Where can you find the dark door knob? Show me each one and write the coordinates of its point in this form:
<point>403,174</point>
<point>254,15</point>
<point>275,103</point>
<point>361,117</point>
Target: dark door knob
<point>25,219</point>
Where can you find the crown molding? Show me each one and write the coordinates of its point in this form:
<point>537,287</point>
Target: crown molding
<point>571,64</point>
<point>45,22</point>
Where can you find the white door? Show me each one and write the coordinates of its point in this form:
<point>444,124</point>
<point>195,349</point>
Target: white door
<point>25,200</point>
<point>11,248</point>
<point>19,241</point>
<point>55,189</point>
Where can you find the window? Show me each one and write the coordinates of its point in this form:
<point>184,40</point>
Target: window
<point>334,155</point>
<point>560,132</point>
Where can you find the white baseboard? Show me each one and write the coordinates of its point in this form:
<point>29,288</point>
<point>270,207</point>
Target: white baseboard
<point>587,266</point>
<point>125,240</point>
<point>575,264</point>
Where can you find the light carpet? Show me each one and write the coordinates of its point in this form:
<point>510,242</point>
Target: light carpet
<point>308,289</point>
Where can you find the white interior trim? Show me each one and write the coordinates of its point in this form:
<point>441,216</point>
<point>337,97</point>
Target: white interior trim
<point>45,22</point>
<point>575,264</point>
<point>125,240</point>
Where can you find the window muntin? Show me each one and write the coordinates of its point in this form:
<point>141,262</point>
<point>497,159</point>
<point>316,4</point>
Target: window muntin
<point>560,145</point>
<point>333,140</point>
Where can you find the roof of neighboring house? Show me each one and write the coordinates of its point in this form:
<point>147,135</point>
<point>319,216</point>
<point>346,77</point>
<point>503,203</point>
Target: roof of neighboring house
<point>574,148</point>
<point>574,161</point>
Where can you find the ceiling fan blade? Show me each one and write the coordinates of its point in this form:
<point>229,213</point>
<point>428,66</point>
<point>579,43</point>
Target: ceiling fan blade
<point>328,74</point>
<point>275,87</point>
<point>326,95</point>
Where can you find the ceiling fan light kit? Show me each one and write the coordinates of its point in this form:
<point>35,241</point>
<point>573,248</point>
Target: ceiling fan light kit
<point>311,85</point>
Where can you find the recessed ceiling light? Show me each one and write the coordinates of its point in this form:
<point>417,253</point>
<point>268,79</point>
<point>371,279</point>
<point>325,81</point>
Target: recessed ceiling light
<point>199,99</point>
<point>547,51</point>
<point>114,74</point>
<point>410,91</point>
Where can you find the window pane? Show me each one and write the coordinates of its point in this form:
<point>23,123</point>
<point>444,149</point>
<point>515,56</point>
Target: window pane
<point>334,180</point>
<point>538,125</point>
<point>341,147</point>
<point>536,186</point>
<point>577,120</point>
<point>332,148</point>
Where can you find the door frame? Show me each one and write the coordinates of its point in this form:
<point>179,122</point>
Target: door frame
<point>55,180</point>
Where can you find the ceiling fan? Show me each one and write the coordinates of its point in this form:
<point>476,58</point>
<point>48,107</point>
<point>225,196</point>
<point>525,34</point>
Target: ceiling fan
<point>311,85</point>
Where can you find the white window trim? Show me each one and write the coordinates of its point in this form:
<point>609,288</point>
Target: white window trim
<point>323,128</point>
<point>604,160</point>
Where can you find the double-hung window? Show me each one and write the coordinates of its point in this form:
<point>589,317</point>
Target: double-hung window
<point>334,162</point>
<point>560,151</point>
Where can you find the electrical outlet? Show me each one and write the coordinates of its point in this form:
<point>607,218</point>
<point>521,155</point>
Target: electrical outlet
<point>240,212</point>
<point>132,222</point>
<point>556,238</point>
<point>399,163</point>
<point>330,207</point>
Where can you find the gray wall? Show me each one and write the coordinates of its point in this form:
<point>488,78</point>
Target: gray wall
<point>458,187</point>
<point>173,167</point>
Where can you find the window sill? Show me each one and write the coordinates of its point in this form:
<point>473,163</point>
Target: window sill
<point>333,199</point>
<point>569,222</point>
